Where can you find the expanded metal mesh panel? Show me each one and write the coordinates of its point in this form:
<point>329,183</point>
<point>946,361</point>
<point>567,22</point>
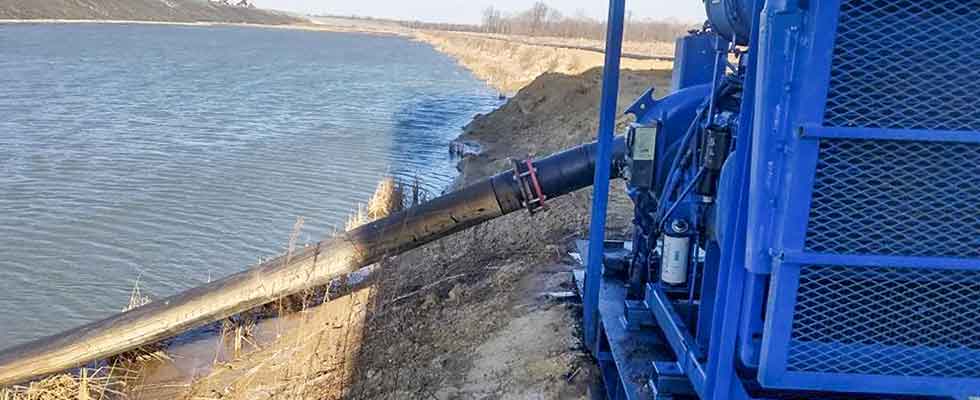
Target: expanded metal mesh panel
<point>896,198</point>
<point>909,64</point>
<point>887,321</point>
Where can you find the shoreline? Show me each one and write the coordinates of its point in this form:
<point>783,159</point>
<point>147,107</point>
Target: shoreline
<point>490,295</point>
<point>313,27</point>
<point>481,54</point>
<point>309,25</point>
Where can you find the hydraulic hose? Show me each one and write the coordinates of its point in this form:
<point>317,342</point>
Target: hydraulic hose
<point>312,267</point>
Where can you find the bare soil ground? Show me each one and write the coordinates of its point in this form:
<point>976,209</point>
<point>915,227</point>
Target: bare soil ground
<point>489,334</point>
<point>461,318</point>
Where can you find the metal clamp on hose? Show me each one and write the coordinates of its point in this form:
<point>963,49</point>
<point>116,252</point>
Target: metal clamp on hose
<point>526,175</point>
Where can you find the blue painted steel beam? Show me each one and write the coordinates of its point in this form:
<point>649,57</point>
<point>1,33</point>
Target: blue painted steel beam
<point>918,135</point>
<point>905,385</point>
<point>722,380</point>
<point>678,336</point>
<point>600,194</point>
<point>858,260</point>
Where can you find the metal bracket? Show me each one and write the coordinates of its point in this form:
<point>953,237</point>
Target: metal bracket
<point>643,104</point>
<point>526,175</point>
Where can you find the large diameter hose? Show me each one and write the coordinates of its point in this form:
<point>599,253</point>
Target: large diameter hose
<point>311,267</point>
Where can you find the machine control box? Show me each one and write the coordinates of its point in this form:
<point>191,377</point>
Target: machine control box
<point>642,142</point>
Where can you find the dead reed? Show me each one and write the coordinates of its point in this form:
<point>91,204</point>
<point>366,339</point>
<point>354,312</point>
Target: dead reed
<point>388,198</point>
<point>152,352</point>
<point>236,334</point>
<point>89,384</point>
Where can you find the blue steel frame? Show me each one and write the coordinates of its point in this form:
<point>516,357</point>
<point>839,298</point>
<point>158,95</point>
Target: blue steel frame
<point>600,194</point>
<point>777,235</point>
<point>711,369</point>
<point>712,374</point>
<point>789,60</point>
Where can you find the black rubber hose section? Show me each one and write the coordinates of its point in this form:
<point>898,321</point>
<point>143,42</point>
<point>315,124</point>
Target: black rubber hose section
<point>560,173</point>
<point>309,267</point>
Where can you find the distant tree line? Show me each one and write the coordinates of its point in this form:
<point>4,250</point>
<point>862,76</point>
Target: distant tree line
<point>542,20</point>
<point>440,26</point>
<point>239,3</point>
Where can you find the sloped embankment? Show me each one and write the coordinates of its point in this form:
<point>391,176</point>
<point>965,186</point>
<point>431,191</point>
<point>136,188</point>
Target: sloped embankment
<point>462,317</point>
<point>140,10</point>
<point>465,317</point>
<point>510,63</point>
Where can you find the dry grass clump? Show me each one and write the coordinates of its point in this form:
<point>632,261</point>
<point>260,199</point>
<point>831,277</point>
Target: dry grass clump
<point>151,352</point>
<point>643,48</point>
<point>237,333</point>
<point>106,381</point>
<point>509,63</point>
<point>388,198</point>
<point>89,384</point>
<point>309,356</point>
<point>392,195</point>
<point>239,330</point>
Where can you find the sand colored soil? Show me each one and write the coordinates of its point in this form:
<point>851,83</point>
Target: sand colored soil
<point>461,318</point>
<point>510,63</point>
<point>490,334</point>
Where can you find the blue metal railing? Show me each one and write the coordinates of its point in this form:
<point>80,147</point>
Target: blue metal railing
<point>600,194</point>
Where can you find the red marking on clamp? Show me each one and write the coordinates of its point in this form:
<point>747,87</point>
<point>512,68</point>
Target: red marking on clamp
<point>534,181</point>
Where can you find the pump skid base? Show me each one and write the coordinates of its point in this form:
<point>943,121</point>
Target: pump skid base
<point>627,354</point>
<point>806,209</point>
<point>634,356</point>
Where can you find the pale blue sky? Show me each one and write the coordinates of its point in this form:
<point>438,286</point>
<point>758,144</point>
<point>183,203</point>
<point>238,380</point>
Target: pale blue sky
<point>468,11</point>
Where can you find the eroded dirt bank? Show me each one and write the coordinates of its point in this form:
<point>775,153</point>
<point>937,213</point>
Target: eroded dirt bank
<point>489,333</point>
<point>461,318</point>
<point>464,317</point>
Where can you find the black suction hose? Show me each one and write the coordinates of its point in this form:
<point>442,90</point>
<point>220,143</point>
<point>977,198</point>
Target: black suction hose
<point>314,266</point>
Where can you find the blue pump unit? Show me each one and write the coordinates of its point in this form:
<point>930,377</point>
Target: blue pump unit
<point>807,208</point>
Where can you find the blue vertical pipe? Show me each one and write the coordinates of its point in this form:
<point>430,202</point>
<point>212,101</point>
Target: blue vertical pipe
<point>600,194</point>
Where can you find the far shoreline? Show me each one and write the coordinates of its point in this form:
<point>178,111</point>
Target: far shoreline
<point>479,53</point>
<point>309,26</point>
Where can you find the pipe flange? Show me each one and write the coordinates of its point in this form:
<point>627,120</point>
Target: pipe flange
<point>526,176</point>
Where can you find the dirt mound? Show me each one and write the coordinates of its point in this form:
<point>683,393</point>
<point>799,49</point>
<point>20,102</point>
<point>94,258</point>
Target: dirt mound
<point>483,329</point>
<point>552,113</point>
<point>465,316</point>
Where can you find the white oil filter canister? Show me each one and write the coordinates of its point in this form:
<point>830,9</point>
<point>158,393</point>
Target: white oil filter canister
<point>676,249</point>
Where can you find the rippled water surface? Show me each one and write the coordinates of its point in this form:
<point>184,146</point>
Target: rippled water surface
<point>170,154</point>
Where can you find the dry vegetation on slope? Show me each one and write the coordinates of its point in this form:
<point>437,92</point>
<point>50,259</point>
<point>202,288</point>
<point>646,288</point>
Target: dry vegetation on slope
<point>509,65</point>
<point>484,331</point>
<point>462,317</point>
<point>140,10</point>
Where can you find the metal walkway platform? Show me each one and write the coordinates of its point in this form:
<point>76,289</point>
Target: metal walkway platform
<point>626,353</point>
